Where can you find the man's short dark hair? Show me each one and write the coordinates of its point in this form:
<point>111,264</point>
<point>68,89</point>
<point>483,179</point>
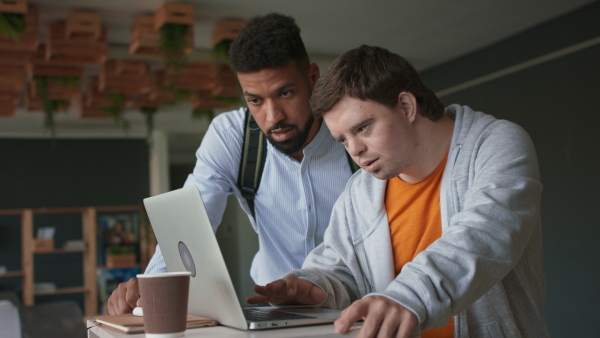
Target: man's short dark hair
<point>268,41</point>
<point>376,74</point>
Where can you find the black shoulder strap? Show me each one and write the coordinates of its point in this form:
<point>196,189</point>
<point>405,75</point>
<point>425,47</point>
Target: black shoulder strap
<point>252,162</point>
<point>254,154</point>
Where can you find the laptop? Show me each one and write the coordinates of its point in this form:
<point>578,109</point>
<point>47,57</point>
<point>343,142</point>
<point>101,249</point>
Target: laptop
<point>188,243</point>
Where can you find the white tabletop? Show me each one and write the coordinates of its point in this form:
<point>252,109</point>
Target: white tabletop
<point>321,331</point>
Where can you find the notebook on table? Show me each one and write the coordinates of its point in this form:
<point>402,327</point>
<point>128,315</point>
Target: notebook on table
<point>129,323</point>
<point>188,243</point>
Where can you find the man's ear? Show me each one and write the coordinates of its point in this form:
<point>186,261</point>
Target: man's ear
<point>407,103</point>
<point>313,74</point>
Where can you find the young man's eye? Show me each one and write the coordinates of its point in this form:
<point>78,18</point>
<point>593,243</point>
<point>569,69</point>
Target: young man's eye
<point>286,93</point>
<point>362,129</point>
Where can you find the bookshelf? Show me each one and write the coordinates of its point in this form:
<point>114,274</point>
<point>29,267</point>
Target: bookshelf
<point>26,218</point>
<point>86,220</point>
<point>123,248</point>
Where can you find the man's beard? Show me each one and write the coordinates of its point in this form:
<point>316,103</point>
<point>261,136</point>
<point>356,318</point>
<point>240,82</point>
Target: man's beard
<point>295,143</point>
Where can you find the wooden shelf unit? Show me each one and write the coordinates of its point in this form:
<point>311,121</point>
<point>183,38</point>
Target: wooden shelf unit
<point>12,274</point>
<point>61,291</point>
<point>26,257</point>
<point>89,236</point>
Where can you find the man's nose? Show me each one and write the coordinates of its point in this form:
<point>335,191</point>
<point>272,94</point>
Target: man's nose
<point>274,112</point>
<point>355,147</point>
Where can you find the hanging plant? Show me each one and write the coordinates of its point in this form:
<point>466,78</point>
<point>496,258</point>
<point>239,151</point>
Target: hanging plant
<point>149,113</point>
<point>229,100</point>
<point>115,109</point>
<point>50,105</point>
<point>220,52</point>
<point>203,113</point>
<point>12,25</point>
<point>173,43</point>
<point>182,94</point>
<point>69,81</point>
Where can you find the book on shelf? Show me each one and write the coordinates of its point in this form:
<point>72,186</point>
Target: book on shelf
<point>129,323</point>
<point>45,233</point>
<point>78,244</point>
<point>44,287</point>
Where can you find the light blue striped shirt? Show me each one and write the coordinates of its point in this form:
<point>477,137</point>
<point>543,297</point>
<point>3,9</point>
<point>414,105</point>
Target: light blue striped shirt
<point>293,202</point>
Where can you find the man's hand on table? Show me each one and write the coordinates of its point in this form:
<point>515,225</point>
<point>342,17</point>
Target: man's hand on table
<point>289,291</point>
<point>125,298</point>
<point>382,318</point>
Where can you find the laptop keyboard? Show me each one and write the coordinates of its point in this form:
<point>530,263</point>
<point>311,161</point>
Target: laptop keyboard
<point>259,315</point>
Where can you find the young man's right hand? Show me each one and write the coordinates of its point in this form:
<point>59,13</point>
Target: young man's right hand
<point>125,298</point>
<point>289,291</point>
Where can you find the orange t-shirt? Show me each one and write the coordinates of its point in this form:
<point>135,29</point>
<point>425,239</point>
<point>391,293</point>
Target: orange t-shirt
<point>415,222</point>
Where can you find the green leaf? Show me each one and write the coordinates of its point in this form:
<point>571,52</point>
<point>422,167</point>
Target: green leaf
<point>68,81</point>
<point>12,25</point>
<point>182,93</point>
<point>172,43</point>
<point>229,100</point>
<point>203,113</point>
<point>220,52</point>
<point>119,250</point>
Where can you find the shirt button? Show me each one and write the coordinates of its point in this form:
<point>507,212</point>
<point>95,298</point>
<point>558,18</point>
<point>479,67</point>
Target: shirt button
<point>309,238</point>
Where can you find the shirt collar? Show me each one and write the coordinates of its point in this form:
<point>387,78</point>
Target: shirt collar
<point>323,136</point>
<point>318,143</point>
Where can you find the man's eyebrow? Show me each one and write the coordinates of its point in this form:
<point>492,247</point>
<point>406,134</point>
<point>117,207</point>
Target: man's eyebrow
<point>355,126</point>
<point>285,85</point>
<point>282,87</point>
<point>360,124</point>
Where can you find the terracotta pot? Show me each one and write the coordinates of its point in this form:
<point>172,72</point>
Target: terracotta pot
<point>226,29</point>
<point>120,261</point>
<point>83,25</point>
<point>144,38</point>
<point>174,12</point>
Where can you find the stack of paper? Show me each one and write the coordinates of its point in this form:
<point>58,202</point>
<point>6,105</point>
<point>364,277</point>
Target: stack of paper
<point>45,233</point>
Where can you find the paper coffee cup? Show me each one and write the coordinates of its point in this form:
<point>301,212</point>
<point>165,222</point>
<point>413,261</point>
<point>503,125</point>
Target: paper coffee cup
<point>164,298</point>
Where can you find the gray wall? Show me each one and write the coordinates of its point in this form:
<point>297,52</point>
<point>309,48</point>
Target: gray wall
<point>548,80</point>
<point>34,173</point>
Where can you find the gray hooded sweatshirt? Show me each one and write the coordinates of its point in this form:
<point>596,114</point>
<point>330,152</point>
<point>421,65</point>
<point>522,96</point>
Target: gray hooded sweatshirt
<point>486,269</point>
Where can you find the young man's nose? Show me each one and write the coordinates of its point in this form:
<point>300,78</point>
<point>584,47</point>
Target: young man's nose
<point>355,147</point>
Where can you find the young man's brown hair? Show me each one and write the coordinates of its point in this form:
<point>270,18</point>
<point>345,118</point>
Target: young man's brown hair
<point>376,74</point>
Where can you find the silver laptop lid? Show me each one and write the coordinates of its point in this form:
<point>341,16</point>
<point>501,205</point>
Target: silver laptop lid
<point>183,231</point>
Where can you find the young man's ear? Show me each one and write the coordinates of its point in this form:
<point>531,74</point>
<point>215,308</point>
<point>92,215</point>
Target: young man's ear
<point>407,103</point>
<point>313,74</point>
